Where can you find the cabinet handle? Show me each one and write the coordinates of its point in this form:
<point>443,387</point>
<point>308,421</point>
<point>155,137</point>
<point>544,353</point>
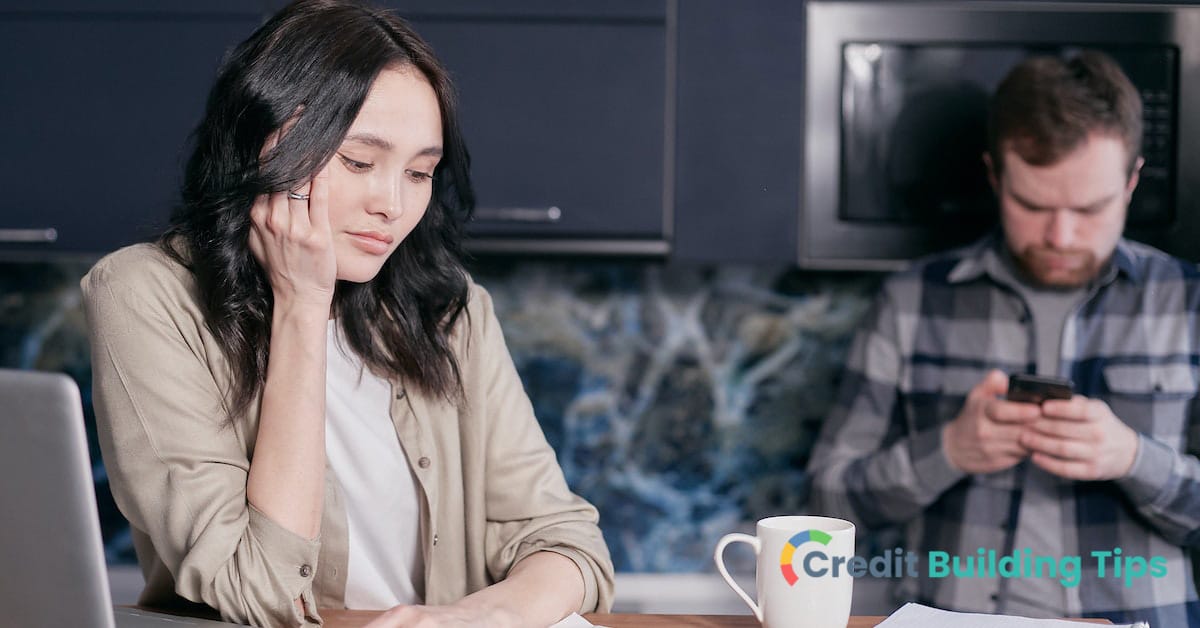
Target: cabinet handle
<point>49,234</point>
<point>519,214</point>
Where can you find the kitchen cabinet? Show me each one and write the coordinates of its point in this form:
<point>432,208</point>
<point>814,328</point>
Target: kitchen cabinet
<point>654,128</point>
<point>97,102</point>
<point>740,131</point>
<point>568,111</point>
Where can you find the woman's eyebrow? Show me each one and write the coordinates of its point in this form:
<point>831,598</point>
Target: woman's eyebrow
<point>370,139</point>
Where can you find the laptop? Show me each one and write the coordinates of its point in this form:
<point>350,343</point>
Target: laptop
<point>53,564</point>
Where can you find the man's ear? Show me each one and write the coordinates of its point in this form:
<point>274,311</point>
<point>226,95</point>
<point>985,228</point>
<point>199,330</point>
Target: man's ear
<point>991,172</point>
<point>1133,178</point>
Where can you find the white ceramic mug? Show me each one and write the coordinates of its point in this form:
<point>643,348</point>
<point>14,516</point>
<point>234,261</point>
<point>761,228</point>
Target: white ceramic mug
<point>789,594</point>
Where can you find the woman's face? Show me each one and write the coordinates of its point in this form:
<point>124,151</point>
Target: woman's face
<point>380,180</point>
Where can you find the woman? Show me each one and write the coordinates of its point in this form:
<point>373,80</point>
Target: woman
<point>303,399</point>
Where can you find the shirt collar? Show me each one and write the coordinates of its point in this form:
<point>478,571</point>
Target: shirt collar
<point>1124,260</point>
<point>974,262</point>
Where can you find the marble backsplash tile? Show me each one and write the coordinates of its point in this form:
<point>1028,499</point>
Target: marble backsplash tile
<point>682,401</point>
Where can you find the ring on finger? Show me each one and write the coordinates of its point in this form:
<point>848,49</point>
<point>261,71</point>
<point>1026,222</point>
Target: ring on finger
<point>296,195</point>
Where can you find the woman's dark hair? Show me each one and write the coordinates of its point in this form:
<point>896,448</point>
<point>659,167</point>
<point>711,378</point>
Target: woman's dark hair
<point>314,63</point>
<point>1046,107</point>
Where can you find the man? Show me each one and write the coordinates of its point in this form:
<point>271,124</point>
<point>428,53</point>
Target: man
<point>922,435</point>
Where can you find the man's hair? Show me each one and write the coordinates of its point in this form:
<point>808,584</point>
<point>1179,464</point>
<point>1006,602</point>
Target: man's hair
<point>1047,106</point>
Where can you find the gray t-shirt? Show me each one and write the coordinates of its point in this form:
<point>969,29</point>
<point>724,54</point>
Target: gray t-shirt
<point>1045,497</point>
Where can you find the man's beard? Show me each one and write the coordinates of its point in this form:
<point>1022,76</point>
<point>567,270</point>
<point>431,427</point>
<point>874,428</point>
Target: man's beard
<point>1058,268</point>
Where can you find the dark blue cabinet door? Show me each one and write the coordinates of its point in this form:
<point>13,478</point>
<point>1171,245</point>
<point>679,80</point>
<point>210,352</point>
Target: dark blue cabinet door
<point>565,108</point>
<point>740,126</point>
<point>96,107</point>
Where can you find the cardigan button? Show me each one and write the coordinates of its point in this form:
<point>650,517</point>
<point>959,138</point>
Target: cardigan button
<point>305,571</point>
<point>424,462</point>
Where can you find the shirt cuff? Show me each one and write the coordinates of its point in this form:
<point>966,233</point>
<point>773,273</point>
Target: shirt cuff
<point>931,466</point>
<point>1150,473</point>
<point>293,557</point>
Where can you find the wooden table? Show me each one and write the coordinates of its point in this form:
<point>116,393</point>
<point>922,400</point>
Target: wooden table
<point>617,620</point>
<point>342,618</point>
<point>355,619</point>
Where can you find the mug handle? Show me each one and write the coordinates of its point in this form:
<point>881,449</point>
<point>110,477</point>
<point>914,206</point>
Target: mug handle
<point>719,559</point>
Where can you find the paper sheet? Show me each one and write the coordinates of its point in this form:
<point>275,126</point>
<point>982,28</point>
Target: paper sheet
<point>918,616</point>
<point>574,620</point>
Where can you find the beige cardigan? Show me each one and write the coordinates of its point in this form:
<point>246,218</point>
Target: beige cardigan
<point>491,490</point>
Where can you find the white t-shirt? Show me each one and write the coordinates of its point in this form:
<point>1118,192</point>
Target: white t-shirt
<point>386,566</point>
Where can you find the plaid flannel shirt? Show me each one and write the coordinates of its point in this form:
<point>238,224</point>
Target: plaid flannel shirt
<point>933,333</point>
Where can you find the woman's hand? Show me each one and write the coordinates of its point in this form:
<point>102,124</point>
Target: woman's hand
<point>290,238</point>
<point>457,616</point>
<point>538,591</point>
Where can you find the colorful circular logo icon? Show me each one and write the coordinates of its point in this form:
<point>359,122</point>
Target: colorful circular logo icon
<point>789,549</point>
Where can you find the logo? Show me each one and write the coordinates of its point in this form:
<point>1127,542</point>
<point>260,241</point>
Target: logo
<point>789,549</point>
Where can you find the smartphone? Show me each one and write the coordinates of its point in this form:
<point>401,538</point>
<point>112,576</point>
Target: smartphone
<point>1038,388</point>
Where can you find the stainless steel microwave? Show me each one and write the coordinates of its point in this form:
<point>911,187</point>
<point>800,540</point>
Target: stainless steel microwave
<point>896,98</point>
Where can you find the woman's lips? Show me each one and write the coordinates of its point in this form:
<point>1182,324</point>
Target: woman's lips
<point>372,242</point>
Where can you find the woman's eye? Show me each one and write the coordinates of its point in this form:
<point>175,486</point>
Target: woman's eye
<point>355,165</point>
<point>417,176</point>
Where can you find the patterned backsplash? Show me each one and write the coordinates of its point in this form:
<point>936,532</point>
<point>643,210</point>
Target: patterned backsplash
<point>682,401</point>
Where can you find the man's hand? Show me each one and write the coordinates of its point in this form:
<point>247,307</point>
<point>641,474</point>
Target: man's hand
<point>1081,439</point>
<point>985,436</point>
